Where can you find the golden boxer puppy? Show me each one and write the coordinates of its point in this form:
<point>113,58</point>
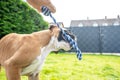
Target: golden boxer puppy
<point>37,4</point>
<point>24,54</point>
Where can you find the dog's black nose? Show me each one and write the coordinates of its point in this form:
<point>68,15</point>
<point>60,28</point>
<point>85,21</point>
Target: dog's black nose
<point>70,34</point>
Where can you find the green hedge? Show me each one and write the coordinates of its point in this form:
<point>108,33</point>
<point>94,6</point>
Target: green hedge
<point>17,16</point>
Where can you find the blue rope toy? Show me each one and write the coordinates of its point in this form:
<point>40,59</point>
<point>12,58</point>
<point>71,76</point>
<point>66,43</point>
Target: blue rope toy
<point>47,12</point>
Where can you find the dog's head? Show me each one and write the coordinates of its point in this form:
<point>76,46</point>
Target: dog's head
<point>59,41</point>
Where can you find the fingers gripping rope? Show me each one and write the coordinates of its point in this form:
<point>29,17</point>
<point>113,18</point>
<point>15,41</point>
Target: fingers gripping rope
<point>47,12</point>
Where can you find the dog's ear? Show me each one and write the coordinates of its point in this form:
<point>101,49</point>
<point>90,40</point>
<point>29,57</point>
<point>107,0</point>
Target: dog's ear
<point>52,27</point>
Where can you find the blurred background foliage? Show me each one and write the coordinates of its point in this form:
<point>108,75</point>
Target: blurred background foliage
<point>17,16</point>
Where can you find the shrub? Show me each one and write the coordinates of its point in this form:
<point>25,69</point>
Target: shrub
<point>17,16</point>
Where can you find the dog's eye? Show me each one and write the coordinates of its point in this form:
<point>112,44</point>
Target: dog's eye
<point>60,37</point>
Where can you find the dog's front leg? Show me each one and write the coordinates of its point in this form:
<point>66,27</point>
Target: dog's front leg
<point>33,77</point>
<point>12,71</point>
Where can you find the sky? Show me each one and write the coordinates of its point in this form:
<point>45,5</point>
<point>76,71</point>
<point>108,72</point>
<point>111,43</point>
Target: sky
<point>67,10</point>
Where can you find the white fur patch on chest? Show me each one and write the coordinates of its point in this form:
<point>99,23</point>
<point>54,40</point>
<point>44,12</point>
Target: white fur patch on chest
<point>33,67</point>
<point>36,65</point>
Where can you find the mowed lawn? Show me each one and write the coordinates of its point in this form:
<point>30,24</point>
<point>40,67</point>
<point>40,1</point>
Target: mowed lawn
<point>67,67</point>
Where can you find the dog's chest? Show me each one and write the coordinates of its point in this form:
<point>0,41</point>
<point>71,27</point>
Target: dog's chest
<point>36,65</point>
<point>33,68</point>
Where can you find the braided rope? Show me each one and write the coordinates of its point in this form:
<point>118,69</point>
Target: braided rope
<point>69,39</point>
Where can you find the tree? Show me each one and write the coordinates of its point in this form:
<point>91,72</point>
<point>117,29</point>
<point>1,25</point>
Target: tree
<point>17,16</point>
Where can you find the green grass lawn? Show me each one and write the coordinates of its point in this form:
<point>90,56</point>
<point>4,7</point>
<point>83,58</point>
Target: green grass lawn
<point>67,67</point>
